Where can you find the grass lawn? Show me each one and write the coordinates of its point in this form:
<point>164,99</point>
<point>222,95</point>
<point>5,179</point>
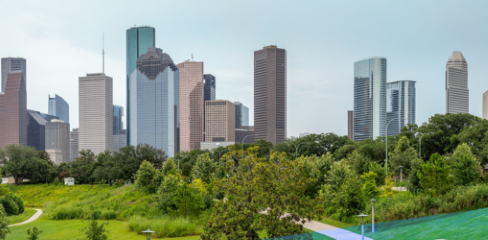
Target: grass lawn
<point>459,225</point>
<point>334,223</point>
<point>70,229</point>
<point>28,212</point>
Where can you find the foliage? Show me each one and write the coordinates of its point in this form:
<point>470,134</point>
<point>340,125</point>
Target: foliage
<point>169,167</point>
<point>380,173</point>
<point>370,190</point>
<point>33,233</point>
<point>187,201</point>
<point>95,231</point>
<point>387,188</point>
<point>164,226</point>
<point>18,201</point>
<point>9,205</point>
<point>83,167</point>
<point>147,177</point>
<point>107,168</point>
<point>413,184</point>
<point>165,194</point>
<point>4,221</point>
<point>204,168</point>
<point>317,168</point>
<point>402,155</point>
<point>129,158</point>
<point>465,167</point>
<point>21,161</point>
<point>434,176</point>
<point>358,162</point>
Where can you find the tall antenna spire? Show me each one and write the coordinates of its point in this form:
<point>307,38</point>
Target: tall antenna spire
<point>192,57</point>
<point>103,52</point>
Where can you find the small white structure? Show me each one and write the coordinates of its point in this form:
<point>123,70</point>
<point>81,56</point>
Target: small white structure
<point>69,181</point>
<point>4,180</point>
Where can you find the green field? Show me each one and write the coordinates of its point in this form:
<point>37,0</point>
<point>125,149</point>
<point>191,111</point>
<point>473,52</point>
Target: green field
<point>460,225</point>
<point>28,212</point>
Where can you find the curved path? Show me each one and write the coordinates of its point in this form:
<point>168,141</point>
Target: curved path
<point>31,219</point>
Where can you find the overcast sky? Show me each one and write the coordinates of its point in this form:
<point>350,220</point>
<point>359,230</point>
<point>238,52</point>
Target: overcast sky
<point>62,40</point>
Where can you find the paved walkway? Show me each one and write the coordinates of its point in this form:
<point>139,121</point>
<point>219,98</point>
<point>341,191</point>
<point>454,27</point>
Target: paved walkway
<point>332,231</point>
<point>31,219</point>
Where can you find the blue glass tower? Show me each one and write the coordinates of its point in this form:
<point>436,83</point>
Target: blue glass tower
<point>118,114</point>
<point>400,105</point>
<point>36,130</point>
<point>59,107</point>
<point>138,40</point>
<point>209,93</point>
<point>155,107</point>
<point>369,98</point>
<point>242,115</point>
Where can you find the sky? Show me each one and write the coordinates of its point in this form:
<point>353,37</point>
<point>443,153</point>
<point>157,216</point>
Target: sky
<point>62,40</point>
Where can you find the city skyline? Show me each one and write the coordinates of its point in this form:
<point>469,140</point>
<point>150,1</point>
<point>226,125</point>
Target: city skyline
<point>427,38</point>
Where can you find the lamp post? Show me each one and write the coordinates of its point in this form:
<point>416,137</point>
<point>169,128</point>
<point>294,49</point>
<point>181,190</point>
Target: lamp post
<point>401,175</point>
<point>325,149</point>
<point>362,224</point>
<point>372,213</point>
<point>420,144</point>
<point>386,139</point>
<point>148,234</point>
<point>242,143</point>
<point>296,147</point>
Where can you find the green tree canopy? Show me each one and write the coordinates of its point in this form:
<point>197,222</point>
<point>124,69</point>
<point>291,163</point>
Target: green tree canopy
<point>205,168</point>
<point>434,176</point>
<point>464,165</point>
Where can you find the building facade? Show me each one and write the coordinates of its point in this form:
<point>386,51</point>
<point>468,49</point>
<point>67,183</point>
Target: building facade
<point>36,130</point>
<point>400,105</point>
<point>350,124</point>
<point>457,92</point>
<point>155,102</point>
<point>74,144</point>
<point>369,111</point>
<point>95,112</point>
<point>118,113</point>
<point>11,64</point>
<point>270,94</point>
<point>59,107</point>
<point>191,105</point>
<point>13,111</point>
<point>245,135</point>
<point>209,93</point>
<point>138,41</point>
<point>58,141</point>
<point>119,140</point>
<point>242,115</point>
<point>220,120</point>
<point>485,105</point>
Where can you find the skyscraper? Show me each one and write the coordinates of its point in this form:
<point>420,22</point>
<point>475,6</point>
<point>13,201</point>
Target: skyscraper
<point>485,105</point>
<point>11,64</point>
<point>220,117</point>
<point>457,92</point>
<point>400,105</point>
<point>58,141</point>
<point>350,124</point>
<point>270,94</point>
<point>118,115</point>
<point>36,130</point>
<point>59,107</point>
<point>95,112</point>
<point>242,115</point>
<point>369,98</point>
<point>191,105</point>
<point>209,88</point>
<point>119,140</point>
<point>138,41</point>
<point>13,111</point>
<point>74,144</point>
<point>155,102</point>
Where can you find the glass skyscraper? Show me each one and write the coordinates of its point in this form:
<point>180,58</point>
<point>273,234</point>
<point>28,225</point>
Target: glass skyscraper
<point>36,130</point>
<point>209,93</point>
<point>400,105</point>
<point>369,98</point>
<point>138,40</point>
<point>155,102</point>
<point>59,107</point>
<point>118,114</point>
<point>242,115</point>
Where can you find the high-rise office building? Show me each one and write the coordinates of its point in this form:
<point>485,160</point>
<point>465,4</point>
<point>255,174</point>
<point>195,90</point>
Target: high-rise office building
<point>11,64</point>
<point>400,105</point>
<point>155,102</point>
<point>118,115</point>
<point>457,92</point>
<point>138,41</point>
<point>485,105</point>
<point>270,94</point>
<point>242,115</point>
<point>74,144</point>
<point>48,117</point>
<point>191,105</point>
<point>369,98</point>
<point>119,140</point>
<point>13,111</point>
<point>95,112</point>
<point>58,141</point>
<point>36,130</point>
<point>59,107</point>
<point>220,121</point>
<point>350,124</point>
<point>209,93</point>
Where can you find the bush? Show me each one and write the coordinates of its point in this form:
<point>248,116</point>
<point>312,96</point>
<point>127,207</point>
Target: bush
<point>10,207</point>
<point>19,202</point>
<point>163,227</point>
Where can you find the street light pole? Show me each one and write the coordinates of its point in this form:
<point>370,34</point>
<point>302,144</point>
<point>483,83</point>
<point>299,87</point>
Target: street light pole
<point>362,224</point>
<point>296,151</point>
<point>401,176</point>
<point>386,139</point>
<point>242,143</point>
<point>420,145</point>
<point>372,204</point>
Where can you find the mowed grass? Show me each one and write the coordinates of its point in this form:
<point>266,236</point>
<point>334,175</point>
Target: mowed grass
<point>28,212</point>
<point>70,229</point>
<point>334,222</point>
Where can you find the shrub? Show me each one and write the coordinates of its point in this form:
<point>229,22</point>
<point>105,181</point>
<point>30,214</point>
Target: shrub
<point>163,227</point>
<point>10,207</point>
<point>19,202</point>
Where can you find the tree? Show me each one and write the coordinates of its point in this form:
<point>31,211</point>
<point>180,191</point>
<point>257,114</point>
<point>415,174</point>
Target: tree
<point>169,167</point>
<point>94,231</point>
<point>147,177</point>
<point>4,221</point>
<point>434,176</point>
<point>83,167</point>
<point>476,136</point>
<point>388,187</point>
<point>317,168</point>
<point>17,159</point>
<point>165,194</point>
<point>402,155</point>
<point>129,158</point>
<point>205,168</point>
<point>107,168</point>
<point>358,162</point>
<point>370,190</point>
<point>33,233</point>
<point>380,173</point>
<point>465,167</point>
<point>413,180</point>
<point>187,201</point>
